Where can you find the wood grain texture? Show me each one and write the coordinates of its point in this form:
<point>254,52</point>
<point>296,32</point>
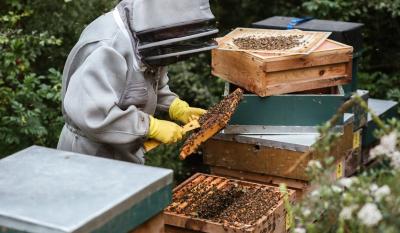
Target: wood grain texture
<point>273,222</point>
<point>269,160</point>
<point>266,74</point>
<point>301,187</point>
<point>154,225</point>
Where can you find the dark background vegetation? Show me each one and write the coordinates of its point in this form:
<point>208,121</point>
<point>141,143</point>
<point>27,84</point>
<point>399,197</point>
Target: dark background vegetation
<point>37,35</point>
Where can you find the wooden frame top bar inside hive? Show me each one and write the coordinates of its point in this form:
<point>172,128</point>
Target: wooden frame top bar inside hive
<point>184,196</point>
<point>311,40</point>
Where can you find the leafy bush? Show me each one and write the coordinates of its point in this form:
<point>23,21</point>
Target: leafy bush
<point>368,202</point>
<point>37,35</point>
<point>29,101</point>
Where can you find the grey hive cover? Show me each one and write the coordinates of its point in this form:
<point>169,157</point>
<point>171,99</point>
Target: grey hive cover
<point>48,191</point>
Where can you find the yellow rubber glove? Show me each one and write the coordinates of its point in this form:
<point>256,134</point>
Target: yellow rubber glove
<point>164,131</point>
<point>181,111</point>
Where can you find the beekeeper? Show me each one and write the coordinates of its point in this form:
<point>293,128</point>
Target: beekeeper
<point>115,77</point>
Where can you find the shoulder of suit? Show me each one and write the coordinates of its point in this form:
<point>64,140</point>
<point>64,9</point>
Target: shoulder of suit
<point>104,28</point>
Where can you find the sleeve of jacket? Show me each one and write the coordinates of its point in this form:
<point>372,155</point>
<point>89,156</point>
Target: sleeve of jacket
<point>92,97</point>
<point>165,96</point>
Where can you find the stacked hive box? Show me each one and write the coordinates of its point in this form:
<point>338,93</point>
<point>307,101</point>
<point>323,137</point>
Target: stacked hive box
<point>269,139</point>
<point>44,190</point>
<point>348,33</point>
<point>344,32</point>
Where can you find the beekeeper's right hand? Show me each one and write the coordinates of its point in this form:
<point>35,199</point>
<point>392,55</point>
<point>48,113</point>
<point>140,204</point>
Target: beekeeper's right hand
<point>164,131</point>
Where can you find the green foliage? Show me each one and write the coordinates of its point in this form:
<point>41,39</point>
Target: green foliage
<point>28,100</point>
<point>381,31</point>
<point>194,83</point>
<point>381,84</point>
<point>65,19</point>
<point>369,202</point>
<point>37,35</point>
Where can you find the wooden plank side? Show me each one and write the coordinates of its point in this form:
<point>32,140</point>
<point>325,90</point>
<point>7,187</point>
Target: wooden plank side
<point>183,221</point>
<point>272,161</point>
<point>173,229</point>
<point>154,225</point>
<point>250,73</point>
<point>333,57</point>
<point>316,73</point>
<point>259,178</point>
<point>299,186</point>
<point>254,158</point>
<point>310,84</point>
<point>238,68</point>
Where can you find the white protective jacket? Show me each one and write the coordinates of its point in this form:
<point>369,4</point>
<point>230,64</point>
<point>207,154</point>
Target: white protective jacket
<point>107,97</point>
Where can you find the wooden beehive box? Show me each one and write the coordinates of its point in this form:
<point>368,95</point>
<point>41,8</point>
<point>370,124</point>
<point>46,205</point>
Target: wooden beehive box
<point>267,74</point>
<point>284,156</point>
<point>203,202</point>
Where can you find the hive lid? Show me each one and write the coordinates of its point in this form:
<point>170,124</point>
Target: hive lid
<point>379,107</point>
<point>295,142</point>
<point>44,190</point>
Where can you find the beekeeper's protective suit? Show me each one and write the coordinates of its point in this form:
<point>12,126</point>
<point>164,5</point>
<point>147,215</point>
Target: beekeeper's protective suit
<point>109,95</point>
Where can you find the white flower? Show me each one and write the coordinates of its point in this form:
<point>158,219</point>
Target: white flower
<point>315,193</point>
<point>386,147</point>
<point>381,192</point>
<point>373,187</point>
<point>314,164</point>
<point>389,141</point>
<point>306,212</point>
<point>347,212</point>
<point>377,151</point>
<point>369,215</point>
<point>299,230</point>
<point>336,189</point>
<point>395,160</point>
<point>345,182</point>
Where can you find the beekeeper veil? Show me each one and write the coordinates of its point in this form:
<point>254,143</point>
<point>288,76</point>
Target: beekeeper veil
<point>167,31</point>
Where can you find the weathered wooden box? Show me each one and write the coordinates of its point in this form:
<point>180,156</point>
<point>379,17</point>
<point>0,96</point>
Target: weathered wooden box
<point>344,32</point>
<point>213,197</point>
<point>285,156</point>
<point>286,114</point>
<point>270,74</point>
<point>45,190</point>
